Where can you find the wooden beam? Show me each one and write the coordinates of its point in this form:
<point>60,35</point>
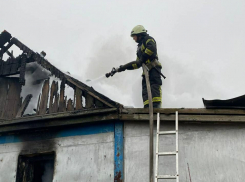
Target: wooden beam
<point>194,111</point>
<point>53,106</point>
<point>57,116</point>
<point>38,104</point>
<point>89,101</point>
<point>62,102</point>
<point>13,100</point>
<point>51,97</point>
<point>3,95</point>
<point>70,106</point>
<point>44,98</point>
<point>10,67</point>
<point>23,69</point>
<point>56,104</point>
<point>98,104</point>
<point>90,93</point>
<point>79,100</point>
<point>24,106</point>
<point>58,122</point>
<point>87,116</point>
<point>186,118</point>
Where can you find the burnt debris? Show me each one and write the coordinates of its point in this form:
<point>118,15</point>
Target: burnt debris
<point>234,103</point>
<point>52,99</point>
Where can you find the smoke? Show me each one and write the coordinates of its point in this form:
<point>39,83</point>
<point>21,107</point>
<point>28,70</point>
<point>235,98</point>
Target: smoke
<point>35,77</point>
<point>110,53</point>
<point>186,83</point>
<point>183,31</point>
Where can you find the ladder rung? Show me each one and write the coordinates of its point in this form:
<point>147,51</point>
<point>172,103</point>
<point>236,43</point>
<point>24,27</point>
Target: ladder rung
<point>166,177</point>
<point>166,132</point>
<point>166,153</point>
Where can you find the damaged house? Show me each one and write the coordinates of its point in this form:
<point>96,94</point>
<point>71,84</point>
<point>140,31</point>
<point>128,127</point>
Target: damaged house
<point>55,128</point>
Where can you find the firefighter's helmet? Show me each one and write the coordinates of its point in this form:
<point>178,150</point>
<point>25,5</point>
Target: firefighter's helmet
<point>138,30</point>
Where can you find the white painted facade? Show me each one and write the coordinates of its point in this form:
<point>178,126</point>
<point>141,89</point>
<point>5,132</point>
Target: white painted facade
<point>214,152</point>
<point>82,158</point>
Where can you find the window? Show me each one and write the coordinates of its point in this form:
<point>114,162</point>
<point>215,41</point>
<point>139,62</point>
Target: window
<point>36,167</point>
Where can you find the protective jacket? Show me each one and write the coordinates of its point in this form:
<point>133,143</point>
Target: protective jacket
<point>147,53</point>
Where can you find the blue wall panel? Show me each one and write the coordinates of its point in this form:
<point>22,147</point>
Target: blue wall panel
<point>76,130</point>
<point>118,172</point>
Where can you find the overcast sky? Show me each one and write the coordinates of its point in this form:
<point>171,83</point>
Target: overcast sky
<point>200,43</point>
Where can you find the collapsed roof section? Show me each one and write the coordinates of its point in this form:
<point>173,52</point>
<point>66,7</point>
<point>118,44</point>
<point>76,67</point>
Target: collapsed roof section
<point>234,103</point>
<point>50,101</point>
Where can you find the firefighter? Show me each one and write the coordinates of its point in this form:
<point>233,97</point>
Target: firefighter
<point>146,53</point>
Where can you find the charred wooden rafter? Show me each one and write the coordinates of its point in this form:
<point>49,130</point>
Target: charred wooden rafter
<point>23,70</point>
<point>17,65</point>
<point>24,106</point>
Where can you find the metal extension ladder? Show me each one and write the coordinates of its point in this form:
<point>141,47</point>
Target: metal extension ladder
<point>167,153</point>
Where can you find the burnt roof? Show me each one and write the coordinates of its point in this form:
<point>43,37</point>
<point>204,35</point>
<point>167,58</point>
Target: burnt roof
<point>28,55</point>
<point>234,103</point>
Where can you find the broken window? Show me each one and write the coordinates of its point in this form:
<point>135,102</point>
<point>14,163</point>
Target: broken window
<point>35,168</point>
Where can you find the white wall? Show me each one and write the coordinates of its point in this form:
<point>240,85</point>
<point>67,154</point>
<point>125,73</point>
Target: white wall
<point>88,158</point>
<point>215,153</point>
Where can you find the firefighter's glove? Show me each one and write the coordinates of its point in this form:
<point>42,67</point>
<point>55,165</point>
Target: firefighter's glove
<point>121,68</point>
